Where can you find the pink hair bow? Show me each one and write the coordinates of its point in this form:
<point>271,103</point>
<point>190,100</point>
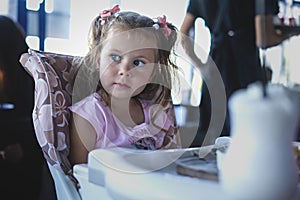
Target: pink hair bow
<point>163,21</point>
<point>106,13</point>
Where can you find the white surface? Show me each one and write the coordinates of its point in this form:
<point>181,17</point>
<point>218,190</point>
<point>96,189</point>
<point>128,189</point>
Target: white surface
<point>128,178</point>
<point>88,190</point>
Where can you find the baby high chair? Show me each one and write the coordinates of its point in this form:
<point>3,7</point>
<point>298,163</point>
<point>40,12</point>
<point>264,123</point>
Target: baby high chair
<point>54,77</point>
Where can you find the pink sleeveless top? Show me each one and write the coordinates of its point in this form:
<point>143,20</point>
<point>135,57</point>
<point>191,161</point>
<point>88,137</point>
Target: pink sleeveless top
<point>111,132</point>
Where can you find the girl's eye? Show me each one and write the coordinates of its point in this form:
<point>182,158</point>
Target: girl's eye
<point>138,63</point>
<point>116,58</point>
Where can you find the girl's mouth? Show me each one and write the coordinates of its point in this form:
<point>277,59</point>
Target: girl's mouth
<point>121,85</point>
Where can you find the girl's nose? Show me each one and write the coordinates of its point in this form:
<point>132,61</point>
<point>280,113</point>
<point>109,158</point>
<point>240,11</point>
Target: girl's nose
<point>124,68</point>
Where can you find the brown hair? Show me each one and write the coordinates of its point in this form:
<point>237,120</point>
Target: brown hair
<point>127,21</point>
<point>17,86</point>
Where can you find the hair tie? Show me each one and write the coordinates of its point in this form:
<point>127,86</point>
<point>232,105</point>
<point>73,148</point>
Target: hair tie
<point>163,21</point>
<point>156,26</point>
<point>109,12</point>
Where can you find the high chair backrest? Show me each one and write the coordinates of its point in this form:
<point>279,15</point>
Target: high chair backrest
<point>54,76</point>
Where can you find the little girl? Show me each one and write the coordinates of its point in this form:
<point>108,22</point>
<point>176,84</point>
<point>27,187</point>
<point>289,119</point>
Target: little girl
<point>132,105</point>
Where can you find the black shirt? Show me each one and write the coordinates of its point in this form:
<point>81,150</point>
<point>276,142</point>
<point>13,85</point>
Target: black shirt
<point>238,17</point>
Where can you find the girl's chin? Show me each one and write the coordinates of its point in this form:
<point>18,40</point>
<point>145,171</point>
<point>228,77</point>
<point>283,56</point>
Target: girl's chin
<point>123,94</point>
<point>120,95</point>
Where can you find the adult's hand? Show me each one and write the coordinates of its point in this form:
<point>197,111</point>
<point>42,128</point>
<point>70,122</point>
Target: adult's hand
<point>267,35</point>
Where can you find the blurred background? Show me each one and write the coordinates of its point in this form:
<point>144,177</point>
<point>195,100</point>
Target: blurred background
<point>61,26</point>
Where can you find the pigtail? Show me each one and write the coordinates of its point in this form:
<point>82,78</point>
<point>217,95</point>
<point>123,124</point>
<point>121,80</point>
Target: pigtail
<point>167,37</point>
<point>95,32</point>
<point>101,21</point>
<point>173,36</point>
<point>89,73</point>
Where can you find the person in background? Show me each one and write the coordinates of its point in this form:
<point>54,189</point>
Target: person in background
<point>238,29</point>
<point>132,104</point>
<point>21,159</point>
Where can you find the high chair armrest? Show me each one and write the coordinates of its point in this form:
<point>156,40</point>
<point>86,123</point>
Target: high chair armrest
<point>53,76</point>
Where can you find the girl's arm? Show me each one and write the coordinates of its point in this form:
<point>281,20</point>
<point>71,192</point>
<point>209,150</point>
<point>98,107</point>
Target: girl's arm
<point>82,139</point>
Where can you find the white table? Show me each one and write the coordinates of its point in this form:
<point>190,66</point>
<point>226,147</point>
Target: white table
<point>126,174</point>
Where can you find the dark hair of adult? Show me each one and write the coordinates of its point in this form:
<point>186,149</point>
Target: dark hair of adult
<point>16,86</point>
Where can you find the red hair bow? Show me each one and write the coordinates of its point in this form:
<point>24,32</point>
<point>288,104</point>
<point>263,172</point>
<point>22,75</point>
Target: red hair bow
<point>106,13</point>
<point>163,21</point>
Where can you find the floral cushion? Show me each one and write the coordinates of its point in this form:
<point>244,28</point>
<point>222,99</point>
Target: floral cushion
<point>54,78</point>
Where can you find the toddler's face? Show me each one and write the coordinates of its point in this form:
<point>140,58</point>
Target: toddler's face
<point>126,65</point>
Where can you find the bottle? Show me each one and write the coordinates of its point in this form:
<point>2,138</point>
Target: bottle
<point>260,163</point>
